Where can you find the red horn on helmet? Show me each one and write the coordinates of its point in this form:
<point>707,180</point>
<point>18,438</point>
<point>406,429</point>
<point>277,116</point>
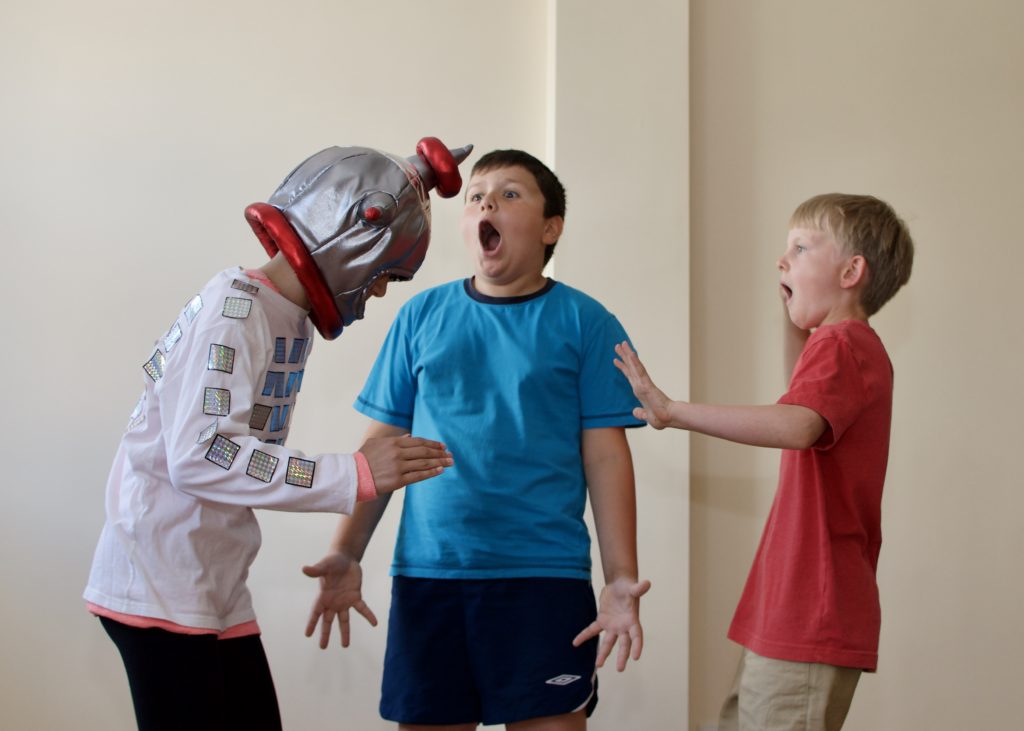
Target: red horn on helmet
<point>438,166</point>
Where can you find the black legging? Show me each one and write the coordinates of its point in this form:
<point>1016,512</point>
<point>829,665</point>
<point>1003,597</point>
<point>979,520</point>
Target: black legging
<point>196,682</point>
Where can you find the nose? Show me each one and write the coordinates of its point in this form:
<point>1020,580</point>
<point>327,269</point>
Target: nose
<point>782,264</point>
<point>487,202</point>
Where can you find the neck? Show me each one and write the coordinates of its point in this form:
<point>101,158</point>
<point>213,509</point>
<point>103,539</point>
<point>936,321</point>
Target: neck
<point>853,311</point>
<point>516,288</point>
<point>283,276</point>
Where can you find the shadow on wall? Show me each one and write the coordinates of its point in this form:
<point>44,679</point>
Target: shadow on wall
<point>726,271</point>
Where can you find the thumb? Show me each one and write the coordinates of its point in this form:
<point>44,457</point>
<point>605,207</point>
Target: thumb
<point>640,588</point>
<point>314,571</point>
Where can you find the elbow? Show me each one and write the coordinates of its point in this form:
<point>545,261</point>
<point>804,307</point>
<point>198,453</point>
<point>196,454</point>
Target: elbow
<point>802,441</point>
<point>807,432</point>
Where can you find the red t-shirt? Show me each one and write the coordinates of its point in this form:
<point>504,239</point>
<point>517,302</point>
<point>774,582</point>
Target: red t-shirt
<point>811,595</point>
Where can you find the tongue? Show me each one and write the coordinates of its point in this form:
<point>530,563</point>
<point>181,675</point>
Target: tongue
<point>491,240</point>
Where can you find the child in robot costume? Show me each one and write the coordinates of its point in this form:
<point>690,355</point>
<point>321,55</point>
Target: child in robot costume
<point>205,444</point>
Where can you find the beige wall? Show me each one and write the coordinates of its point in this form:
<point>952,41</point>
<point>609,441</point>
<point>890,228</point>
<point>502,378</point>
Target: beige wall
<point>620,131</point>
<point>130,130</point>
<point>133,135</point>
<point>918,102</point>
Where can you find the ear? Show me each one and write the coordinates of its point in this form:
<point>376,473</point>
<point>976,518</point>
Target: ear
<point>855,272</point>
<point>553,230</point>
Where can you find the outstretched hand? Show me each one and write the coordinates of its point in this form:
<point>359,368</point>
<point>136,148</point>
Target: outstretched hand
<point>399,461</point>
<point>655,403</point>
<point>618,617</point>
<point>341,582</point>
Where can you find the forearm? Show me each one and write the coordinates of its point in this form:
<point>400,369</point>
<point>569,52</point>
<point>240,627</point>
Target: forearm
<point>793,341</point>
<point>608,467</point>
<point>354,531</point>
<point>781,426</point>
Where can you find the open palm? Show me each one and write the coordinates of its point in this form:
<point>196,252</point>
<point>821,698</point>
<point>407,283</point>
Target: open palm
<point>341,589</point>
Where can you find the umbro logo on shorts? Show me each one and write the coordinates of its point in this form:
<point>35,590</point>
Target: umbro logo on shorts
<point>562,679</point>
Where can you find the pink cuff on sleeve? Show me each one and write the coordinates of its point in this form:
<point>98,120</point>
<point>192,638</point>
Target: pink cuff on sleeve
<point>365,489</point>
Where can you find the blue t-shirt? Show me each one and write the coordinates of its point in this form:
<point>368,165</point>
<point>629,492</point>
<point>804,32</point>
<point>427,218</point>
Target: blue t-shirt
<point>508,384</point>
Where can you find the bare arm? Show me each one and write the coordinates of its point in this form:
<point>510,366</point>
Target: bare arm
<point>783,426</point>
<point>354,531</point>
<point>608,466</point>
<point>339,573</point>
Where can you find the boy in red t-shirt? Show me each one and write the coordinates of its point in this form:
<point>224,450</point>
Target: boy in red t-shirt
<point>809,615</point>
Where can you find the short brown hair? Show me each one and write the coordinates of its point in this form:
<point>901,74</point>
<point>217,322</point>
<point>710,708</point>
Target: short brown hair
<point>865,225</point>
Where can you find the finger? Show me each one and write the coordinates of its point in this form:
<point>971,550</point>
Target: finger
<point>623,362</point>
<point>418,476</point>
<point>365,610</point>
<point>424,465</point>
<point>314,615</point>
<point>640,413</point>
<point>410,442</point>
<point>623,658</point>
<point>424,459</point>
<point>592,630</point>
<point>326,620</point>
<point>414,447</point>
<point>604,649</point>
<point>634,362</point>
<point>635,372</point>
<point>636,634</point>
<point>343,627</point>
<point>314,571</point>
<point>628,372</point>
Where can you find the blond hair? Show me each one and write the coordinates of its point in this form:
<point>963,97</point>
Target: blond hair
<point>865,225</point>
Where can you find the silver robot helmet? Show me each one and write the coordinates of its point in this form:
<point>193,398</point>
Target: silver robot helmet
<point>348,216</point>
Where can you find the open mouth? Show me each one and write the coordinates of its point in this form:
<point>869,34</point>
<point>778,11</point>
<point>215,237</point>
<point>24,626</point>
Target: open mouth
<point>490,239</point>
<point>786,291</point>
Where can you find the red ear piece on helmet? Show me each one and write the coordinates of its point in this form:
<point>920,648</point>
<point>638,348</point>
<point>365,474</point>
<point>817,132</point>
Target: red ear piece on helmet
<point>276,234</point>
<point>443,164</point>
<point>308,220</point>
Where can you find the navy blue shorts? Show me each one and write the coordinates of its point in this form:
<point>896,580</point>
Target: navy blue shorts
<point>488,651</point>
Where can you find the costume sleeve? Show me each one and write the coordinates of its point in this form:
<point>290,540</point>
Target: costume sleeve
<point>828,380</point>
<point>389,394</point>
<point>606,398</point>
<point>207,397</point>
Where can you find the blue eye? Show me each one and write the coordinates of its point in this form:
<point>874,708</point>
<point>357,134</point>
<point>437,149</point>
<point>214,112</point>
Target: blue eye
<point>511,194</point>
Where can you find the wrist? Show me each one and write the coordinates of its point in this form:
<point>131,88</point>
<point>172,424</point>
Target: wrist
<point>346,552</point>
<point>624,576</point>
<point>676,414</point>
<point>365,487</point>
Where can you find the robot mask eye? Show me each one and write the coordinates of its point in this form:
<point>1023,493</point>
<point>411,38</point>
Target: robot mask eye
<point>378,209</point>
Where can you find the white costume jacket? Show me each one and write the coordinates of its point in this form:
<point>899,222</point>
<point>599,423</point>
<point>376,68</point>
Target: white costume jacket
<point>204,446</point>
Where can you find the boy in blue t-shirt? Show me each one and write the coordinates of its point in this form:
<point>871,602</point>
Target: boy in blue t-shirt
<point>493,618</point>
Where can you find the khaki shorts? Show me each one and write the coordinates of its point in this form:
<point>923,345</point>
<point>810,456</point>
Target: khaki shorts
<point>778,695</point>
